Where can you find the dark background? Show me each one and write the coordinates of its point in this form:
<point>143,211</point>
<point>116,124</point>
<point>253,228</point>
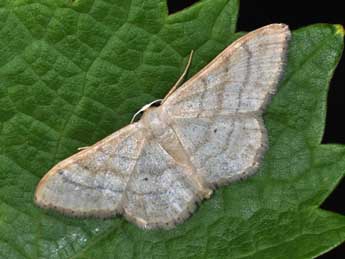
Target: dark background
<point>254,14</point>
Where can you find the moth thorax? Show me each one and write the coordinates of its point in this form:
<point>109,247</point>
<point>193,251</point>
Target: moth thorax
<point>152,120</point>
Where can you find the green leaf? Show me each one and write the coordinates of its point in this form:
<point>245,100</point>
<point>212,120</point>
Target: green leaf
<point>72,72</point>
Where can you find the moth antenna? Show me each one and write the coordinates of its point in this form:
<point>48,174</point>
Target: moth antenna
<point>83,148</point>
<point>178,82</point>
<point>144,108</point>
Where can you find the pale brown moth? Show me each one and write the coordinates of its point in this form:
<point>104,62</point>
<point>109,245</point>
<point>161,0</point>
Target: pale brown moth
<point>207,133</point>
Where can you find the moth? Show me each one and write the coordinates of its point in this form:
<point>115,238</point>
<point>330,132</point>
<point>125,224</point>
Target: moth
<point>207,133</point>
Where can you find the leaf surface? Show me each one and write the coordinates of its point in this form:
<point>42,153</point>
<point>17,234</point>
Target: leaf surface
<point>72,72</point>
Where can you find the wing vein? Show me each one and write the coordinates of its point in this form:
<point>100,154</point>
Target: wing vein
<point>131,175</point>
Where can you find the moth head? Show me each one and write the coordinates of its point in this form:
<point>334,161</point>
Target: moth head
<point>152,119</point>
